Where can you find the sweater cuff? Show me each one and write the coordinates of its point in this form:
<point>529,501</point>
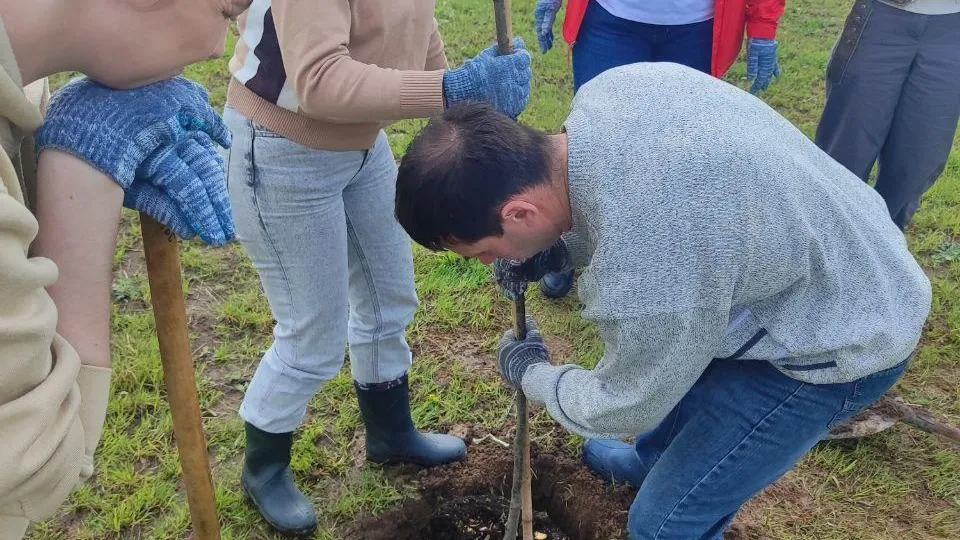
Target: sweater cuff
<point>94,383</point>
<point>540,383</point>
<point>421,93</point>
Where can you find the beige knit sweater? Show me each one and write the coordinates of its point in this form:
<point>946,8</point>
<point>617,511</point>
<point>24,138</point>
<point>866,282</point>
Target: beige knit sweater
<point>51,407</point>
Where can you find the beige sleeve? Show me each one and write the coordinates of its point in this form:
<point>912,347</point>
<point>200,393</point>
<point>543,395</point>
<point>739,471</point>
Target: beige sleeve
<point>39,94</point>
<point>42,436</point>
<point>332,86</point>
<point>436,57</point>
<point>13,527</point>
<point>94,384</point>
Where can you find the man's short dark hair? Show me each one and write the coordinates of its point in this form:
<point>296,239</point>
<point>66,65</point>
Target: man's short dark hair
<point>460,170</point>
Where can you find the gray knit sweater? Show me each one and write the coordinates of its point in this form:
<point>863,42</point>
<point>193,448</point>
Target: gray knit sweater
<point>710,227</point>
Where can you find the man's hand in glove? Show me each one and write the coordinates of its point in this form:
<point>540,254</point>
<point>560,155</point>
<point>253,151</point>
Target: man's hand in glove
<point>515,356</point>
<point>512,276</point>
<point>184,187</point>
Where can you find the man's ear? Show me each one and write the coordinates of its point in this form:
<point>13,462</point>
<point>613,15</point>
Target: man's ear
<point>518,212</point>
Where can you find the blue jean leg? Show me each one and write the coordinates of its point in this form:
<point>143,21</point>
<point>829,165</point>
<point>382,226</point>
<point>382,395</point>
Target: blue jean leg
<point>742,426</point>
<point>606,41</point>
<point>687,44</point>
<point>380,272</point>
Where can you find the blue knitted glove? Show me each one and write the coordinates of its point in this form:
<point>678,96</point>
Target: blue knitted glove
<point>128,134</point>
<point>543,17</point>
<point>184,187</point>
<point>762,64</point>
<point>502,81</point>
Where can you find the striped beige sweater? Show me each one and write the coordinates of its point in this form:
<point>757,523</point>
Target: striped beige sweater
<point>330,75</point>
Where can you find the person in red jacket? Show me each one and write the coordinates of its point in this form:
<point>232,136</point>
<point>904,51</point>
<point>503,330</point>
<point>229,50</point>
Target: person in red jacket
<point>702,34</point>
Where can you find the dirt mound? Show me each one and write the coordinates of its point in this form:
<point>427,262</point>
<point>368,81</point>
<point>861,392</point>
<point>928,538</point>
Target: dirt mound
<point>470,500</point>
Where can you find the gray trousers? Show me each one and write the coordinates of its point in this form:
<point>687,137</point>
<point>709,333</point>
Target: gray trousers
<point>893,95</point>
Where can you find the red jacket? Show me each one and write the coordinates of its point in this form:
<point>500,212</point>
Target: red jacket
<point>759,16</point>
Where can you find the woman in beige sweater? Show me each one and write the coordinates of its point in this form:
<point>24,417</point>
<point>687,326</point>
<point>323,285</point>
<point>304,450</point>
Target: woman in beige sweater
<point>312,184</point>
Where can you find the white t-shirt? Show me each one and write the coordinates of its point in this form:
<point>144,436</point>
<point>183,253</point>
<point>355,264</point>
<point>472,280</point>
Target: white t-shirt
<point>926,7</point>
<point>664,12</point>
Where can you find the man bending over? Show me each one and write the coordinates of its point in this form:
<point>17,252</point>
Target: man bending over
<point>750,291</point>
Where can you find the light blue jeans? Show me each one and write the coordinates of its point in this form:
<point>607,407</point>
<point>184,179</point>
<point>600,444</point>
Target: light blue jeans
<point>336,266</point>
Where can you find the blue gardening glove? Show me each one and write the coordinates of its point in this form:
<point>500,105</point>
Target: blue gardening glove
<point>118,131</point>
<point>502,81</point>
<point>515,356</point>
<point>184,187</point>
<point>543,17</point>
<point>512,276</point>
<point>762,64</point>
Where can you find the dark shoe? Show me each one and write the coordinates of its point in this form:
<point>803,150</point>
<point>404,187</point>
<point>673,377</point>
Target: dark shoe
<point>556,285</point>
<point>391,435</point>
<point>268,482</point>
<point>614,461</point>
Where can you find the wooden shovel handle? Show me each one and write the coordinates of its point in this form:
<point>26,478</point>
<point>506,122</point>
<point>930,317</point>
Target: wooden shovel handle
<point>161,251</point>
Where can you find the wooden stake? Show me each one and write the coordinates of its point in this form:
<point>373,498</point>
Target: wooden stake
<point>521,499</point>
<point>161,251</point>
<point>885,413</point>
<point>521,495</point>
<point>513,517</point>
<point>526,492</point>
<point>501,15</point>
<point>920,419</point>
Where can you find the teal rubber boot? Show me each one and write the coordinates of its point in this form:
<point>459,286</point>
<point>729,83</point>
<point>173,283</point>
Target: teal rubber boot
<point>391,435</point>
<point>268,481</point>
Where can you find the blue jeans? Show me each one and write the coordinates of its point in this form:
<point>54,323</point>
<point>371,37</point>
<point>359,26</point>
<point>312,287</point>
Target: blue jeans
<point>336,266</point>
<point>740,428</point>
<point>893,96</point>
<point>606,41</point>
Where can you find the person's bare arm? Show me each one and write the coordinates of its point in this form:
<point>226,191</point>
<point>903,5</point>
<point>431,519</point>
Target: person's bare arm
<point>78,209</point>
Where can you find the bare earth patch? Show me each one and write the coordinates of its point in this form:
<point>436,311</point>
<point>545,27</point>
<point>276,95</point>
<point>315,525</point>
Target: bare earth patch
<point>470,500</point>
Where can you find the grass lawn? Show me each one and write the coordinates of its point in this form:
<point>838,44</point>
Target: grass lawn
<point>900,484</point>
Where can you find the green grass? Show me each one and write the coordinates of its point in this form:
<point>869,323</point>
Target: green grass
<point>899,484</point>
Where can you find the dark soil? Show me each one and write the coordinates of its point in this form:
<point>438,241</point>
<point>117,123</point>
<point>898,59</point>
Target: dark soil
<point>470,500</point>
<point>482,517</point>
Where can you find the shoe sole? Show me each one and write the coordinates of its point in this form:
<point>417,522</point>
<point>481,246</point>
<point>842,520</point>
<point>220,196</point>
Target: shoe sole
<point>296,533</point>
<point>400,460</point>
<point>408,461</point>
